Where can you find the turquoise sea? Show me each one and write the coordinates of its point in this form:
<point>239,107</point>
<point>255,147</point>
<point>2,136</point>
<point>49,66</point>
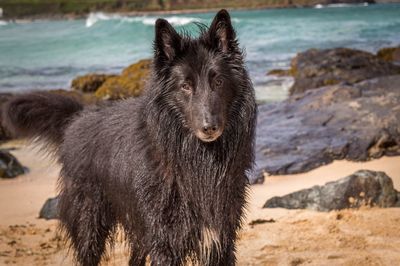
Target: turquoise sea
<point>49,54</point>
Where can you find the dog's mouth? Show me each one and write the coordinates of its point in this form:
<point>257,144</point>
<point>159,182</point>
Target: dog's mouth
<point>208,137</point>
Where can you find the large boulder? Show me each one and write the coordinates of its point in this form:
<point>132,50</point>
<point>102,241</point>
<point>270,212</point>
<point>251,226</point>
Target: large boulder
<point>90,82</point>
<point>315,68</point>
<point>390,54</point>
<point>9,165</point>
<point>363,188</point>
<point>130,83</point>
<point>357,122</point>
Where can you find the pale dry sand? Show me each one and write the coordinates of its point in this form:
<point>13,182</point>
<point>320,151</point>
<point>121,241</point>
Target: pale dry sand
<point>369,236</point>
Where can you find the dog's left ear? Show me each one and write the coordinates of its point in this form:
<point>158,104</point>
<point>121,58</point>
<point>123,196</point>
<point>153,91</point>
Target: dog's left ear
<point>221,32</point>
<point>167,42</point>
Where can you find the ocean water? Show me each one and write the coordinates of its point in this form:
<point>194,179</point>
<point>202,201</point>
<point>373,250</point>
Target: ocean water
<point>49,54</point>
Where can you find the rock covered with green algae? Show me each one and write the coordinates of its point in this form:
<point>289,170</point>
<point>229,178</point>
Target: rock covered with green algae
<point>279,72</point>
<point>89,82</point>
<point>390,54</point>
<point>129,84</point>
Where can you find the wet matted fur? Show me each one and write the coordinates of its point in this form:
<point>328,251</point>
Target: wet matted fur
<point>169,167</point>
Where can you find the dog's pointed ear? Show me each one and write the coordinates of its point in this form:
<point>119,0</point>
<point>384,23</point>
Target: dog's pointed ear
<point>167,42</point>
<point>221,32</point>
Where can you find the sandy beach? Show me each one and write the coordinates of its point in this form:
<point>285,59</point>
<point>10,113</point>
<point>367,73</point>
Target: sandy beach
<point>369,236</point>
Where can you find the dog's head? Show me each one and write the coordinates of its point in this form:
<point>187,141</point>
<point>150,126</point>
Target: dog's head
<point>198,74</point>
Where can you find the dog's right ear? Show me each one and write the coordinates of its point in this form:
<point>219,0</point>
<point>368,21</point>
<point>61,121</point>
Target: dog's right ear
<point>167,42</point>
<point>221,32</point>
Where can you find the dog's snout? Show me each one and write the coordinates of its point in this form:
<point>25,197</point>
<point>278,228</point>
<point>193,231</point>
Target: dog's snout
<point>209,121</point>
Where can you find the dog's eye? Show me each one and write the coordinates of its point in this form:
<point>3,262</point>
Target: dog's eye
<point>218,82</point>
<point>186,87</point>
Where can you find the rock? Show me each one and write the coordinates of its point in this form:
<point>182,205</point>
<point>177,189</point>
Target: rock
<point>130,83</point>
<point>390,54</point>
<point>363,188</point>
<point>279,72</point>
<point>50,209</point>
<point>357,122</point>
<point>89,82</point>
<point>316,68</point>
<point>9,165</point>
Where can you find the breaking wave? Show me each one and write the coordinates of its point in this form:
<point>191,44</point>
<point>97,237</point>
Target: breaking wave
<point>93,18</point>
<point>340,5</point>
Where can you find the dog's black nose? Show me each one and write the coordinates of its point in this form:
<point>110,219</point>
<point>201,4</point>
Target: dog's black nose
<point>210,129</point>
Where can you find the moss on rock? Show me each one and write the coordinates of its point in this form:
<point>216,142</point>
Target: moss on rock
<point>390,54</point>
<point>129,84</point>
<point>89,82</point>
<point>279,72</point>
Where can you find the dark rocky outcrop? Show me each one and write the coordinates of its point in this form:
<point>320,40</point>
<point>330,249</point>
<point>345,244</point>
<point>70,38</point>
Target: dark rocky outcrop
<point>356,122</point>
<point>390,54</point>
<point>363,188</point>
<point>49,209</point>
<point>9,165</point>
<point>315,68</point>
<point>89,82</point>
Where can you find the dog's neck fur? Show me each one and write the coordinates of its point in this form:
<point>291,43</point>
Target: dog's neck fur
<point>170,144</point>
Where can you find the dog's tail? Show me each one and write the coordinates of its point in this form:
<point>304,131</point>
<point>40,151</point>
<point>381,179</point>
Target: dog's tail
<point>40,115</point>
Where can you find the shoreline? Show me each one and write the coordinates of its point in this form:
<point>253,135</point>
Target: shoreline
<point>75,16</point>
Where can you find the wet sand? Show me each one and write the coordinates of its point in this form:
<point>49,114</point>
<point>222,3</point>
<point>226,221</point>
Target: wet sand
<point>369,236</point>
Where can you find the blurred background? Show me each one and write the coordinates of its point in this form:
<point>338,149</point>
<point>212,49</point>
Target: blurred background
<point>44,44</point>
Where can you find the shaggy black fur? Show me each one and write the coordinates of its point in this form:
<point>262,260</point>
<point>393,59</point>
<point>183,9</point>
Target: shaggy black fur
<point>170,166</point>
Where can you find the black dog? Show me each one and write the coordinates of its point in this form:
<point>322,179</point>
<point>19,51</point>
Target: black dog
<point>170,166</point>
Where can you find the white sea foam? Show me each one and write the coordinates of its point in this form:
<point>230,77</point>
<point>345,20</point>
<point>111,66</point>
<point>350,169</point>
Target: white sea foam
<point>176,21</point>
<point>93,18</point>
<point>318,6</point>
<point>3,23</point>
